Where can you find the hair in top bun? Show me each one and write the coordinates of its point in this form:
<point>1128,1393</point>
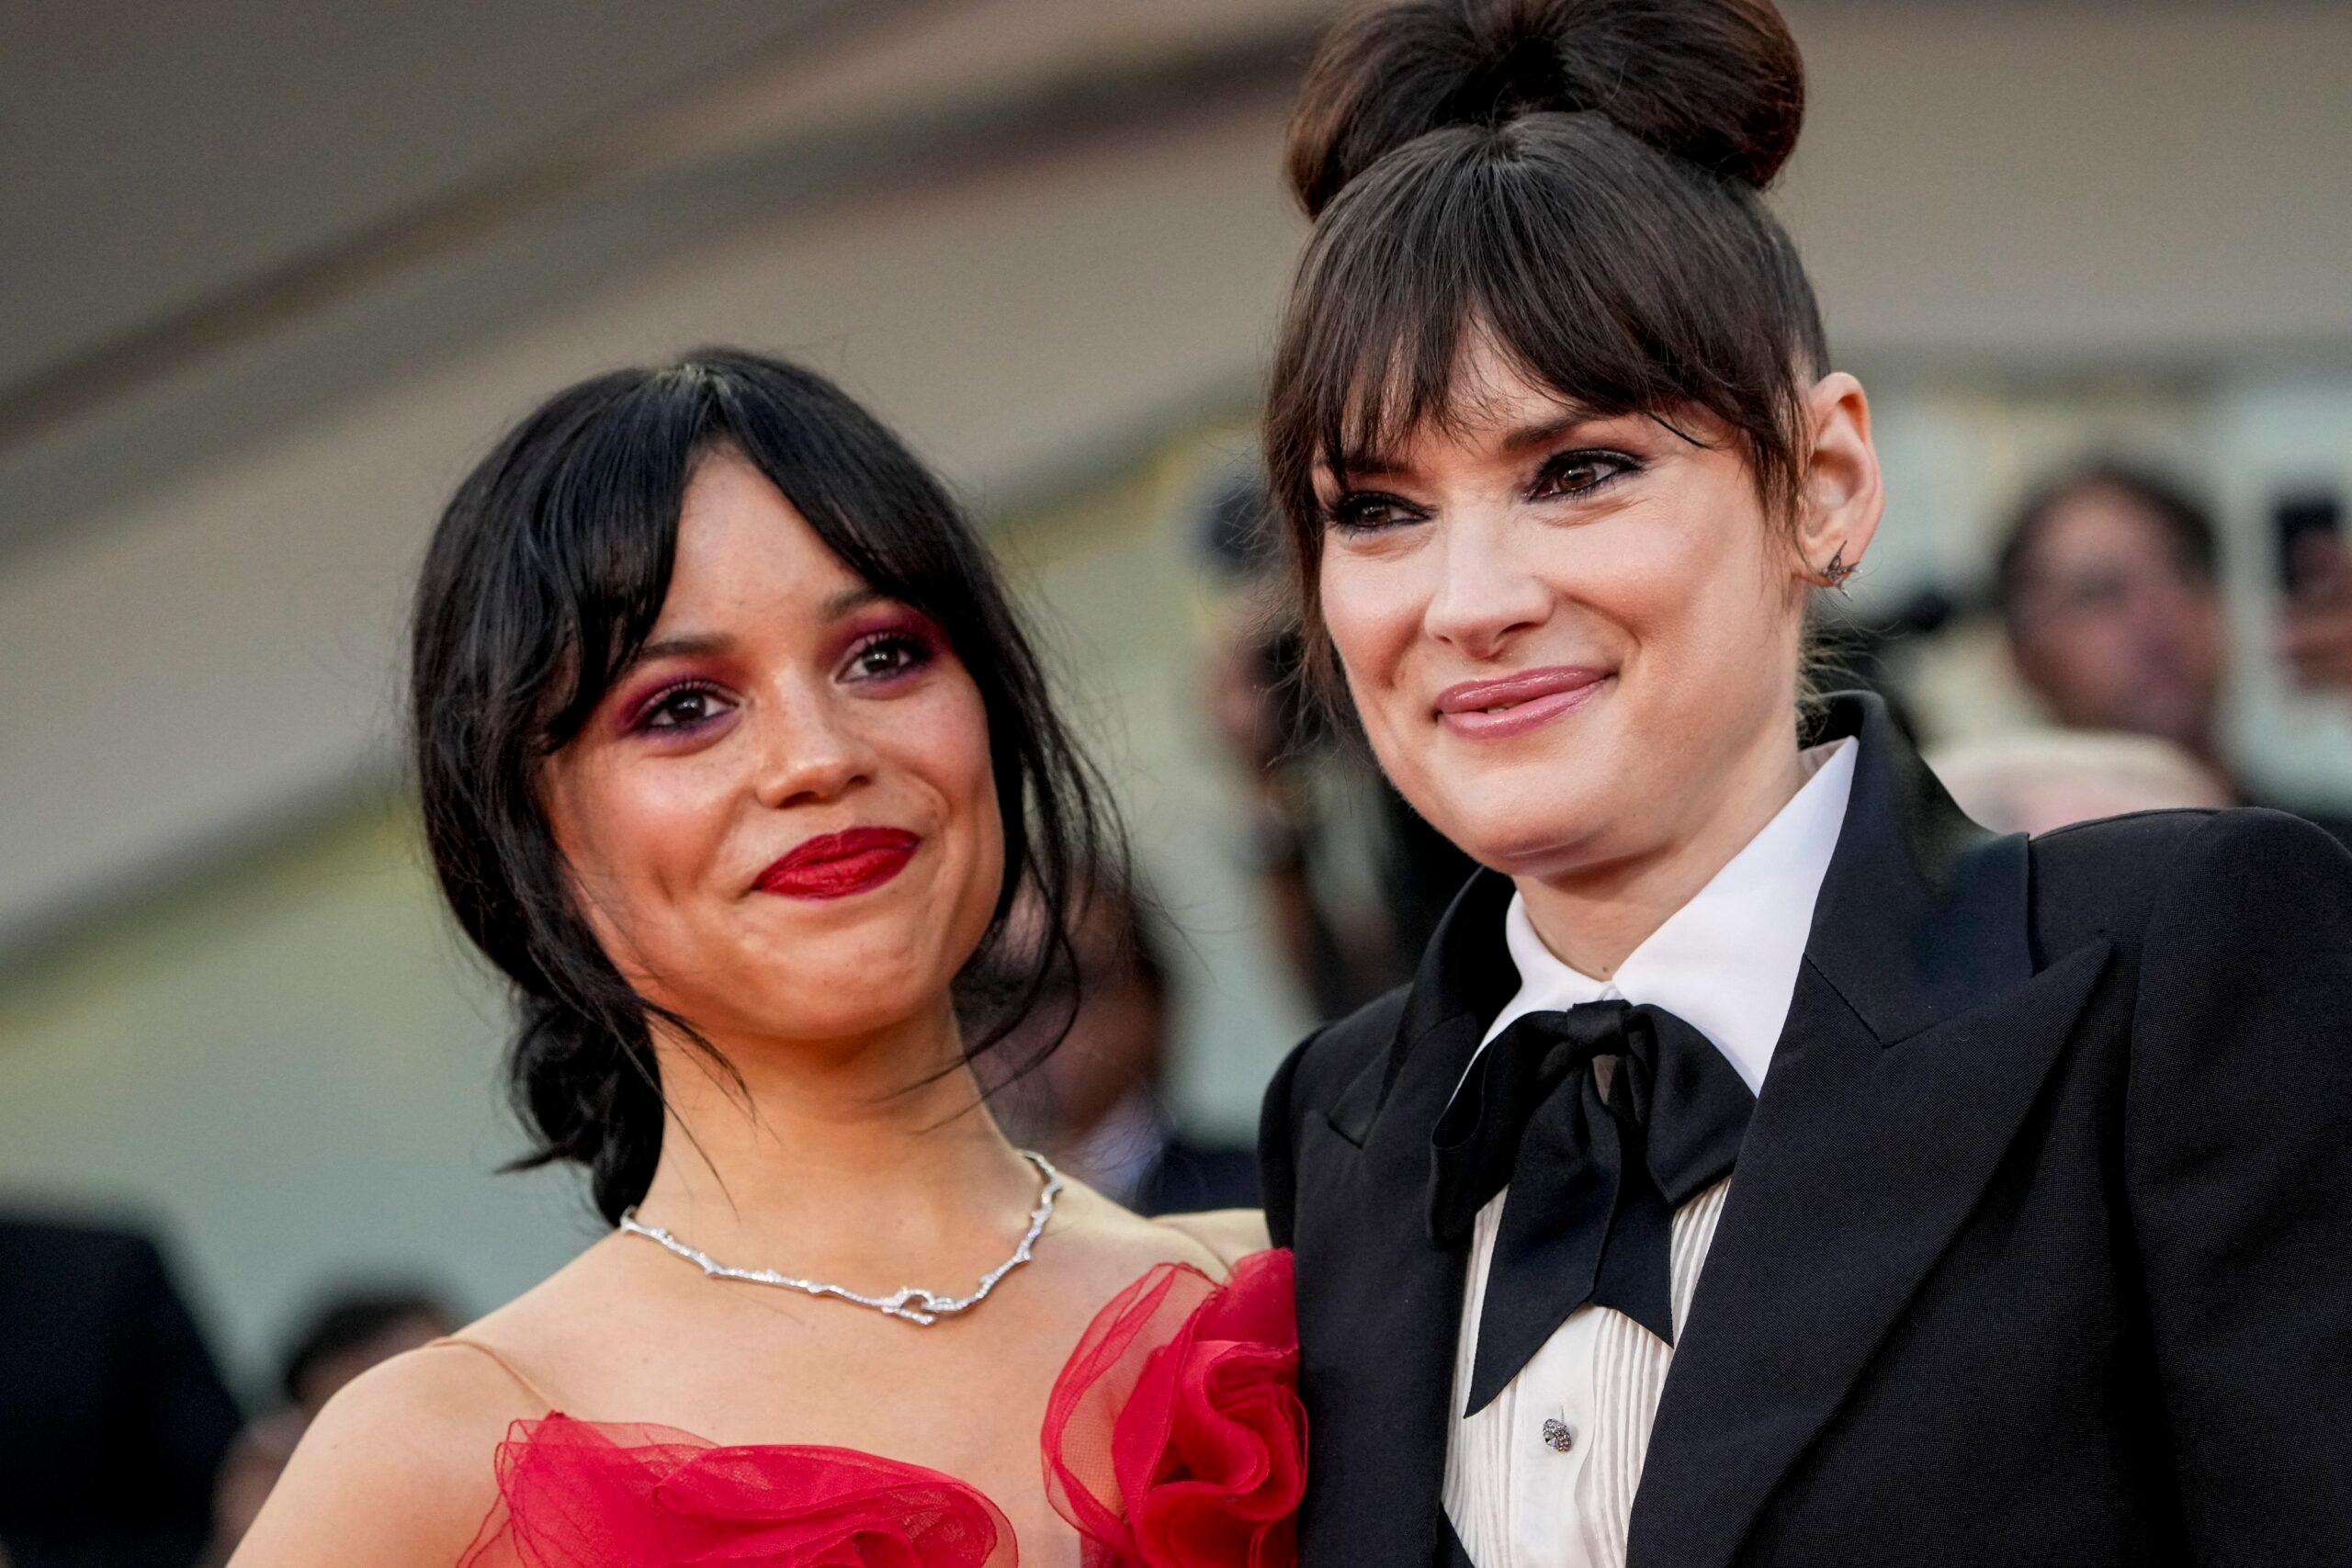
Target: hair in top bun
<point>1576,181</point>
<point>1716,83</point>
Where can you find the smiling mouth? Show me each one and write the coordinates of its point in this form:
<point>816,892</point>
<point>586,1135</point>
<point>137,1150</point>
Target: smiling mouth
<point>1491,710</point>
<point>835,865</point>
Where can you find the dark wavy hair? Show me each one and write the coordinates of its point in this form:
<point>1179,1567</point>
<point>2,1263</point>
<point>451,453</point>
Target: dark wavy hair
<point>542,582</point>
<point>1581,181</point>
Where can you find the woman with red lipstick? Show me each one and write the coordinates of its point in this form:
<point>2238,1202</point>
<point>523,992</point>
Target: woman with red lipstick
<point>1768,1166</point>
<point>733,760</point>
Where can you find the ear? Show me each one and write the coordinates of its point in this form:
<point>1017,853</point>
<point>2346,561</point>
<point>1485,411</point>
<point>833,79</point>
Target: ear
<point>1840,492</point>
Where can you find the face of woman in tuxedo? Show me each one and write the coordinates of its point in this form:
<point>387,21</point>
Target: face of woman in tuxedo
<point>780,821</point>
<point>1571,638</point>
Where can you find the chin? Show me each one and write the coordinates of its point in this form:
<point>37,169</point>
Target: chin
<point>851,1009</point>
<point>1519,816</point>
<point>1519,841</point>
<point>820,990</point>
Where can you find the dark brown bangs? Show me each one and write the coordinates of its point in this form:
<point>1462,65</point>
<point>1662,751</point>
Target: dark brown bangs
<point>1624,280</point>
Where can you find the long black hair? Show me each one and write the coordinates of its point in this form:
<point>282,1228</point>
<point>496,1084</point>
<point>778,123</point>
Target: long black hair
<point>1579,180</point>
<point>543,581</point>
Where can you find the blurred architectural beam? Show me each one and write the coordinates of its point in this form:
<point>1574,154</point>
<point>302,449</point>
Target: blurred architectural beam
<point>906,93</point>
<point>250,306</point>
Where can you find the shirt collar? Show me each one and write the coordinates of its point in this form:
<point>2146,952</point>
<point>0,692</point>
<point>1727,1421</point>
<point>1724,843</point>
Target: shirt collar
<point>1727,962</point>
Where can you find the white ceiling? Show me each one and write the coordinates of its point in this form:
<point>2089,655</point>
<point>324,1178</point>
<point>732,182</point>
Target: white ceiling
<point>153,154</point>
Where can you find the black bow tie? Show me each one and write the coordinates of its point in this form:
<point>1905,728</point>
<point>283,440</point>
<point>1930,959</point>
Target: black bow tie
<point>1594,1183</point>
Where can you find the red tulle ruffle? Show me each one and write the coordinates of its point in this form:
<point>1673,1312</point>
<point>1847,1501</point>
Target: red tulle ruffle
<point>579,1495</point>
<point>1174,1437</point>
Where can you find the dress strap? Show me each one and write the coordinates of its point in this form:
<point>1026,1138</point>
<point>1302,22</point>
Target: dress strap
<point>503,1361</point>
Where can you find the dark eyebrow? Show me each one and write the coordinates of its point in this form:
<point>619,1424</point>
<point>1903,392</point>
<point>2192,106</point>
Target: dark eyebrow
<point>1366,463</point>
<point>849,600</point>
<point>1528,438</point>
<point>695,644</point>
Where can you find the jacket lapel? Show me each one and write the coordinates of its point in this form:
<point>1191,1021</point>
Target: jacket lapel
<point>1380,1303</point>
<point>1861,1164</point>
<point>1917,1040</point>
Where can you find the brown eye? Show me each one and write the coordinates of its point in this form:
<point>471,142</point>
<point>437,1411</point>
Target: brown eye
<point>887,656</point>
<point>681,708</point>
<point>1364,510</point>
<point>680,711</point>
<point>1578,473</point>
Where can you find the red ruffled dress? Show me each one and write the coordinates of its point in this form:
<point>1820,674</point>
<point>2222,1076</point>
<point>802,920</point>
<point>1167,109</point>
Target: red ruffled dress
<point>1173,1439</point>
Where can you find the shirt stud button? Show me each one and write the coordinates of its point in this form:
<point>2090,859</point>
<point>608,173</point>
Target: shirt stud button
<point>1559,1437</point>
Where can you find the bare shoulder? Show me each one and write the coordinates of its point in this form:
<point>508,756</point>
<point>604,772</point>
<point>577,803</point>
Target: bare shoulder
<point>1127,1244</point>
<point>396,1471</point>
<point>566,1322</point>
<point>398,1468</point>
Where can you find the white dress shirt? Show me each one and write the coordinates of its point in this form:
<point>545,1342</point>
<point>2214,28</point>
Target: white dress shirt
<point>1544,1476</point>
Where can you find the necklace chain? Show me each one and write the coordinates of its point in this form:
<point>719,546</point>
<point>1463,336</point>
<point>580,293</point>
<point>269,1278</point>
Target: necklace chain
<point>908,1303</point>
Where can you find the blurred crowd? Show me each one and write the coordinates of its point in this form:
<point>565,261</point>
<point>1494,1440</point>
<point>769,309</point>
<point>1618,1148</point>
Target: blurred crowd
<point>2105,588</point>
<point>123,1444</point>
<point>2108,588</point>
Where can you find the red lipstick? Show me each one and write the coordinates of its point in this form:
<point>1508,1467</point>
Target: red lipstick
<point>1491,710</point>
<point>834,865</point>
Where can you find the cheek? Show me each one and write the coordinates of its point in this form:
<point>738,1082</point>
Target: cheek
<point>633,839</point>
<point>2206,631</point>
<point>942,739</point>
<point>981,828</point>
<point>1714,605</point>
<point>988,858</point>
<point>1371,610</point>
<point>666,824</point>
<point>960,750</point>
<point>2088,647</point>
<point>1372,616</point>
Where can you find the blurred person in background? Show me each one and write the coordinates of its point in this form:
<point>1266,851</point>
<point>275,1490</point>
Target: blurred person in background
<point>351,1331</point>
<point>734,758</point>
<point>114,1419</point>
<point>2044,779</point>
<point>1097,1103</point>
<point>1319,808</point>
<point>2109,584</point>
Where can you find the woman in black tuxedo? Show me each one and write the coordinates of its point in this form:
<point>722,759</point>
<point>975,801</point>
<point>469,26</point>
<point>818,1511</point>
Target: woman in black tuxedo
<point>1768,1164</point>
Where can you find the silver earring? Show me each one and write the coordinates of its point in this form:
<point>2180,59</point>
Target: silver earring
<point>1835,574</point>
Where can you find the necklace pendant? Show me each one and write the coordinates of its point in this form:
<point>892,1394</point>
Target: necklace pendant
<point>896,1305</point>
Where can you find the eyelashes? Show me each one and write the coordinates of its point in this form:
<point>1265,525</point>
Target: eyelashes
<point>1369,510</point>
<point>886,655</point>
<point>1580,472</point>
<point>686,706</point>
<point>669,709</point>
<point>1564,476</point>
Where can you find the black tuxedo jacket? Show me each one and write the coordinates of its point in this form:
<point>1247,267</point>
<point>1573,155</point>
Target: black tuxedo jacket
<point>2038,1250</point>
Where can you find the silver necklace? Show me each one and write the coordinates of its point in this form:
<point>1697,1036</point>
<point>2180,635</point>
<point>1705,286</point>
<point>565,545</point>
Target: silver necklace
<point>916,1306</point>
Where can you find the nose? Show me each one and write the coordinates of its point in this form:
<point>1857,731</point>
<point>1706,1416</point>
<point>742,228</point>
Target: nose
<point>807,752</point>
<point>1484,593</point>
